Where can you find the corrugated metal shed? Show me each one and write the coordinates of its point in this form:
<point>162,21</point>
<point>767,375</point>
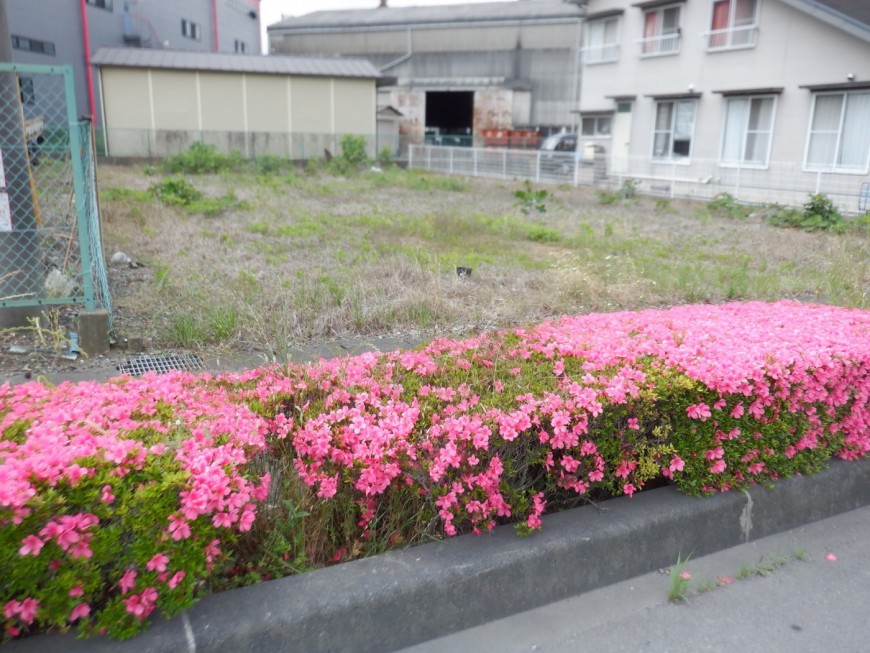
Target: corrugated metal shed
<point>314,66</point>
<point>355,19</point>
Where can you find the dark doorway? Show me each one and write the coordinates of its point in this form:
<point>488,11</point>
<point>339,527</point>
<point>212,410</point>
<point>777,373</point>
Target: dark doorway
<point>449,117</point>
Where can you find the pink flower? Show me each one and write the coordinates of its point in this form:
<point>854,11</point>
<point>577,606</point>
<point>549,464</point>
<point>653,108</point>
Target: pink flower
<point>831,557</point>
<point>31,545</point>
<point>29,608</point>
<point>685,575</point>
<point>135,606</point>
<point>158,562</point>
<point>698,411</point>
<point>177,577</point>
<point>11,609</point>
<point>633,423</point>
<point>81,610</point>
<point>179,529</point>
<point>141,605</point>
<point>77,591</point>
<point>247,519</point>
<point>725,580</point>
<point>106,495</point>
<point>212,550</point>
<point>625,468</point>
<point>128,581</point>
<point>629,489</point>
<point>222,519</point>
<point>718,467</point>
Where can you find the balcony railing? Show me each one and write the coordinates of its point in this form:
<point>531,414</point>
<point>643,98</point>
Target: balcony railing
<point>732,38</point>
<point>601,53</point>
<point>660,45</point>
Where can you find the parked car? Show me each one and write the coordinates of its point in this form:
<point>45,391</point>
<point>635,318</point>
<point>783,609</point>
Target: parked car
<point>560,154</point>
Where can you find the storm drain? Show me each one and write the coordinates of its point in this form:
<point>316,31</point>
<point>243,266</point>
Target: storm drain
<point>162,364</point>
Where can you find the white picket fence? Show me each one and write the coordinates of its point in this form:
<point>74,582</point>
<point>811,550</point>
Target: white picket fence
<point>779,182</point>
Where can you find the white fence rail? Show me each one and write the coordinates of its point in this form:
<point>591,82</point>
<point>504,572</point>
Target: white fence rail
<point>779,182</point>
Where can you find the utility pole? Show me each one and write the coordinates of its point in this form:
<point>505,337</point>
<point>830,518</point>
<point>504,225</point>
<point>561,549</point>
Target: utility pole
<point>20,270</point>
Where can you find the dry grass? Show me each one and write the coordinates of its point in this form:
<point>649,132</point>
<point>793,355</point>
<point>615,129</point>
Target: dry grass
<point>312,258</point>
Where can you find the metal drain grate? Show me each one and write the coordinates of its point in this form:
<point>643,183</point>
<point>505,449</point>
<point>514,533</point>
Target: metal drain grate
<point>162,364</point>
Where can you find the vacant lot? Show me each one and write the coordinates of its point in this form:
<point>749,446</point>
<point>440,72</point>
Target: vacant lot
<point>270,261</point>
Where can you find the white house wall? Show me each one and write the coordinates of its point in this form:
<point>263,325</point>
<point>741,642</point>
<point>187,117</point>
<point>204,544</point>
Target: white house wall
<point>793,49</point>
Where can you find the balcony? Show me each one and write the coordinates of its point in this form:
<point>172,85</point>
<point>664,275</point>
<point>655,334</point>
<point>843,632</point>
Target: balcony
<point>733,38</point>
<point>604,53</point>
<point>657,46</point>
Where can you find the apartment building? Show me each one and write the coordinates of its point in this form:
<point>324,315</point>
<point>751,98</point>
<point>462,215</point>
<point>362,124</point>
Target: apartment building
<point>58,32</point>
<point>769,87</point>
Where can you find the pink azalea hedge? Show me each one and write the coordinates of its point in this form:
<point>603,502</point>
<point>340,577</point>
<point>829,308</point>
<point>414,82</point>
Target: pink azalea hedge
<point>119,498</point>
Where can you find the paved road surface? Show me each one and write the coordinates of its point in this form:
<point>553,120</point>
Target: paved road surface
<point>814,605</point>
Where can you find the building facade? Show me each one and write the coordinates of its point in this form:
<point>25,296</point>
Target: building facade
<point>770,90</point>
<point>458,70</point>
<point>61,32</point>
<point>158,103</point>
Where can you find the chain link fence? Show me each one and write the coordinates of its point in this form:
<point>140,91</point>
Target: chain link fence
<point>50,246</point>
<point>784,183</point>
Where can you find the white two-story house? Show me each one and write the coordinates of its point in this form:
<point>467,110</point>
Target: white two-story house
<point>765,99</point>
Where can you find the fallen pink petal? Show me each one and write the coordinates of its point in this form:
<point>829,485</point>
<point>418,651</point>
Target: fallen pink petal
<point>831,557</point>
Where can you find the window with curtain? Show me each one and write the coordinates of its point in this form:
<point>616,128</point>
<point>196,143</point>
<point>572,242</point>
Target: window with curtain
<point>839,136</point>
<point>673,129</point>
<point>661,31</point>
<point>748,131</point>
<point>734,24</point>
<point>602,40</point>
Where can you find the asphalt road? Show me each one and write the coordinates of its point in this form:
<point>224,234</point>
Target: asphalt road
<point>815,600</point>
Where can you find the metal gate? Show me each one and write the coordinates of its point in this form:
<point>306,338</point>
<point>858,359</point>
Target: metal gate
<point>50,246</point>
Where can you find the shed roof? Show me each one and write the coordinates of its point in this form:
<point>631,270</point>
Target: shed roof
<point>355,19</point>
<point>314,66</point>
<point>851,16</point>
<point>858,10</point>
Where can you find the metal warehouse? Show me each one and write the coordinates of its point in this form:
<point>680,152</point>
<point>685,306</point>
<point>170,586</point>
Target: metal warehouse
<point>459,71</point>
<point>159,102</point>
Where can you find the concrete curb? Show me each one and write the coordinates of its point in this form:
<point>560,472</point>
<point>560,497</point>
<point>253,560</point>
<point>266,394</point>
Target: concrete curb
<point>402,598</point>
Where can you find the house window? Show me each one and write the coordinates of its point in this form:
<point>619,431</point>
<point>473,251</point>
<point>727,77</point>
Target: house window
<point>190,29</point>
<point>596,126</point>
<point>101,4</point>
<point>674,127</point>
<point>661,31</point>
<point>602,39</point>
<point>241,47</point>
<point>25,88</point>
<point>839,138</point>
<point>748,130</point>
<point>32,45</point>
<point>734,24</point>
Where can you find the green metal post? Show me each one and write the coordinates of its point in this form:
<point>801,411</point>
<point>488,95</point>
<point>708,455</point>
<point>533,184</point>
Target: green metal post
<point>76,148</point>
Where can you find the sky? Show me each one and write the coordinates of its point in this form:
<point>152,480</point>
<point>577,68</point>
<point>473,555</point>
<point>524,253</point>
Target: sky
<point>272,10</point>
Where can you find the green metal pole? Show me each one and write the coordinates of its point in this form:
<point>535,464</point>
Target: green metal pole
<point>76,146</point>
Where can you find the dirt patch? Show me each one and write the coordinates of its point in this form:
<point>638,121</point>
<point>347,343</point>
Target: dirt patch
<point>309,258</point>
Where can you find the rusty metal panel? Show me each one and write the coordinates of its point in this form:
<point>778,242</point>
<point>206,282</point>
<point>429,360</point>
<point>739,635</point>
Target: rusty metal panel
<point>493,109</point>
<point>412,104</point>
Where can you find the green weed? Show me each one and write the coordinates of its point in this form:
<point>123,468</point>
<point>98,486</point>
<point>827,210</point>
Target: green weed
<point>530,200</point>
<point>680,578</point>
<point>202,159</point>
